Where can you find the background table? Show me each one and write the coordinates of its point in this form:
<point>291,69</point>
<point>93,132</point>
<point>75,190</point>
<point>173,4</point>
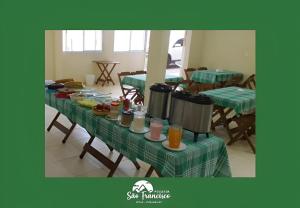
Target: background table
<point>206,158</point>
<point>242,101</point>
<point>239,99</point>
<point>138,81</point>
<point>213,76</point>
<point>105,72</point>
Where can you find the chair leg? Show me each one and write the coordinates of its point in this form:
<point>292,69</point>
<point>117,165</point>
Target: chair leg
<point>249,142</point>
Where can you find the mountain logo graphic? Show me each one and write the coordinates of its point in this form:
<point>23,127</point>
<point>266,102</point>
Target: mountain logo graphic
<point>142,185</point>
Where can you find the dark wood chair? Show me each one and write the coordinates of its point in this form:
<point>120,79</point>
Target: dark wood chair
<point>250,83</point>
<point>127,90</point>
<point>188,72</point>
<point>245,127</point>
<point>138,97</point>
<point>234,81</point>
<point>139,72</point>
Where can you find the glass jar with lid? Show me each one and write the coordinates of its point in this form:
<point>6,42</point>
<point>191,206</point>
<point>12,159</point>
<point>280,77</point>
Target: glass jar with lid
<point>138,123</point>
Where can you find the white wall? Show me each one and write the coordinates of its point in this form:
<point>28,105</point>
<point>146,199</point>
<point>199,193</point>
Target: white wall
<point>77,64</point>
<point>49,55</point>
<point>227,49</point>
<point>224,49</point>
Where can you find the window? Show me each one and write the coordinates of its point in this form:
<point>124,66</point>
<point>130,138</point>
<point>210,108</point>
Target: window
<point>82,40</point>
<point>130,40</point>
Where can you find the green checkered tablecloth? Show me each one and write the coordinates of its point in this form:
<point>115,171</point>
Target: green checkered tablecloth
<point>213,76</point>
<point>206,158</point>
<point>239,99</point>
<point>138,81</point>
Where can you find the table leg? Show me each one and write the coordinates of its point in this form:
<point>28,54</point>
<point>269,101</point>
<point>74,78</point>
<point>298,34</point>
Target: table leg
<point>102,73</point>
<point>84,150</point>
<point>69,132</point>
<point>61,127</point>
<point>53,121</point>
<point>112,166</point>
<point>109,73</point>
<point>150,171</point>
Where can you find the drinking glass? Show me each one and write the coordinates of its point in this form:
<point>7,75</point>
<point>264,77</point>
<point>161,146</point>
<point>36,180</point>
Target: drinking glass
<point>175,134</point>
<point>155,128</point>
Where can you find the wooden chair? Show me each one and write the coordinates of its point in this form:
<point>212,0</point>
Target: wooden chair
<point>139,72</point>
<point>188,72</point>
<point>234,81</point>
<point>245,127</point>
<point>126,89</point>
<point>250,83</point>
<point>138,97</point>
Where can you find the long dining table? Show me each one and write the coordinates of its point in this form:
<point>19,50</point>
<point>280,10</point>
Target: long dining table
<point>205,158</point>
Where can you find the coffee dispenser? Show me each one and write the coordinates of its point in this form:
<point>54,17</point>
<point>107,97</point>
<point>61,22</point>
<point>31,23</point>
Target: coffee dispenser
<point>192,112</point>
<point>159,101</point>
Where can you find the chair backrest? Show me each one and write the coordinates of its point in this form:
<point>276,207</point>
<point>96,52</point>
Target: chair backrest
<point>234,81</point>
<point>189,71</point>
<point>250,82</point>
<point>139,72</point>
<point>120,76</point>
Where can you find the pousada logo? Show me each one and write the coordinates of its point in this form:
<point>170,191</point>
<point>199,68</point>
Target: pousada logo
<point>143,192</point>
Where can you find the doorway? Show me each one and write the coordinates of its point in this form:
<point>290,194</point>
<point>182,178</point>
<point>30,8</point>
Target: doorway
<point>175,52</point>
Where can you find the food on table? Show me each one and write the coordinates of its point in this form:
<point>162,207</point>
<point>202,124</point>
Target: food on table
<point>101,109</point>
<point>74,84</point>
<point>155,128</point>
<point>87,103</point>
<point>127,117</point>
<point>64,80</point>
<point>138,122</point>
<point>62,95</point>
<point>126,104</point>
<point>114,110</point>
<point>66,90</point>
<point>175,134</point>
<point>49,82</point>
<point>77,96</point>
<point>55,86</point>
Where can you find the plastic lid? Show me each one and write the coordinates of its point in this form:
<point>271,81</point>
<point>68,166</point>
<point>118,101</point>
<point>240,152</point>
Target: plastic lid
<point>56,86</point>
<point>129,112</point>
<point>160,87</point>
<point>199,99</point>
<point>181,95</point>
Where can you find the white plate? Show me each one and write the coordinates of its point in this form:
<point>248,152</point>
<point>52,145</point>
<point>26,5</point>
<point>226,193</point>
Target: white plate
<point>120,124</point>
<point>145,130</point>
<point>162,137</point>
<point>182,146</point>
<point>111,119</point>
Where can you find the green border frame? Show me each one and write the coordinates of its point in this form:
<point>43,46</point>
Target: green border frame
<point>22,180</point>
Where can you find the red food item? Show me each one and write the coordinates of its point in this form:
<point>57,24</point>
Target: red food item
<point>126,104</point>
<point>106,107</point>
<point>114,103</point>
<point>62,95</point>
<point>99,107</point>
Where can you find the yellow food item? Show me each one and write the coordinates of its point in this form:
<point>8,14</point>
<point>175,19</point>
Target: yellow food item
<point>64,80</point>
<point>87,103</point>
<point>74,84</point>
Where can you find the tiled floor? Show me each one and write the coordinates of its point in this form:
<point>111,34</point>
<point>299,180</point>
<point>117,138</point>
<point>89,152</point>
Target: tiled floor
<point>62,160</point>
